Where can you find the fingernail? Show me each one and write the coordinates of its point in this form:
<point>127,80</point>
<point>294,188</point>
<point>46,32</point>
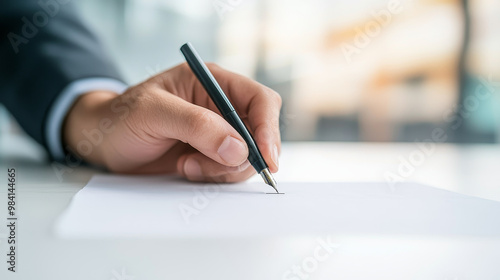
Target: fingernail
<point>192,168</point>
<point>232,151</point>
<point>274,156</point>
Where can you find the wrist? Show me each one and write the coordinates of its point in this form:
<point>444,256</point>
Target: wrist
<point>81,123</point>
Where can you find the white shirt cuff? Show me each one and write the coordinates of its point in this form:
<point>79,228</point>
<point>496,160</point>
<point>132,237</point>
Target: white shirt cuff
<point>62,104</point>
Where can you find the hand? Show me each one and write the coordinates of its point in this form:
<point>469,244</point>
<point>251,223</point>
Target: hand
<point>168,124</point>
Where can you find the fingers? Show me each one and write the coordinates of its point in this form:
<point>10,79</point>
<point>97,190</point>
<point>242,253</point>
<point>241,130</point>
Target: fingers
<point>259,106</point>
<point>193,165</point>
<point>164,164</point>
<point>203,129</point>
<point>198,167</point>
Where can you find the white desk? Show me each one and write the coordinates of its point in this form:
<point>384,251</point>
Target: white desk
<point>469,170</point>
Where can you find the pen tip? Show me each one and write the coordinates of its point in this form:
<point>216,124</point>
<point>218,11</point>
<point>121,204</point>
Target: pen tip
<point>269,179</point>
<point>274,187</point>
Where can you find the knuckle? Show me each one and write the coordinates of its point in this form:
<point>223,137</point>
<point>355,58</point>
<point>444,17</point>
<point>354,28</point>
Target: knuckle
<point>143,105</point>
<point>145,100</point>
<point>276,97</point>
<point>141,95</point>
<point>271,96</point>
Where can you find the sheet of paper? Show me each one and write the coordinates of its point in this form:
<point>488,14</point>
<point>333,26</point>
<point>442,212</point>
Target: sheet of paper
<point>130,206</point>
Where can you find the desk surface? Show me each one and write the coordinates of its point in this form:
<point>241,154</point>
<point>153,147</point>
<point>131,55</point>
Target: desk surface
<point>471,170</point>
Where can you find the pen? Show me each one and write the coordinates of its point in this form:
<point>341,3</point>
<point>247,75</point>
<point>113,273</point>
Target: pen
<point>227,110</point>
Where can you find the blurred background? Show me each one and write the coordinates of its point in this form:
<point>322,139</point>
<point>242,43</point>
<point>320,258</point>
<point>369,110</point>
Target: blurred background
<point>366,70</point>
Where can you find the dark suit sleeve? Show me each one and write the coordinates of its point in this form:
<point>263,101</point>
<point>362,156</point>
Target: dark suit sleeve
<point>44,46</point>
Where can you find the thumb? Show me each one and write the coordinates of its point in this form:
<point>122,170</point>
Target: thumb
<point>204,130</point>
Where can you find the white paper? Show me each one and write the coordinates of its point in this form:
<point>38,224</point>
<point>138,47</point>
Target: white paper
<point>131,206</point>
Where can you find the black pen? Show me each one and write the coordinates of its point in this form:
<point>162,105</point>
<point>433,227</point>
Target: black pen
<point>227,110</point>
